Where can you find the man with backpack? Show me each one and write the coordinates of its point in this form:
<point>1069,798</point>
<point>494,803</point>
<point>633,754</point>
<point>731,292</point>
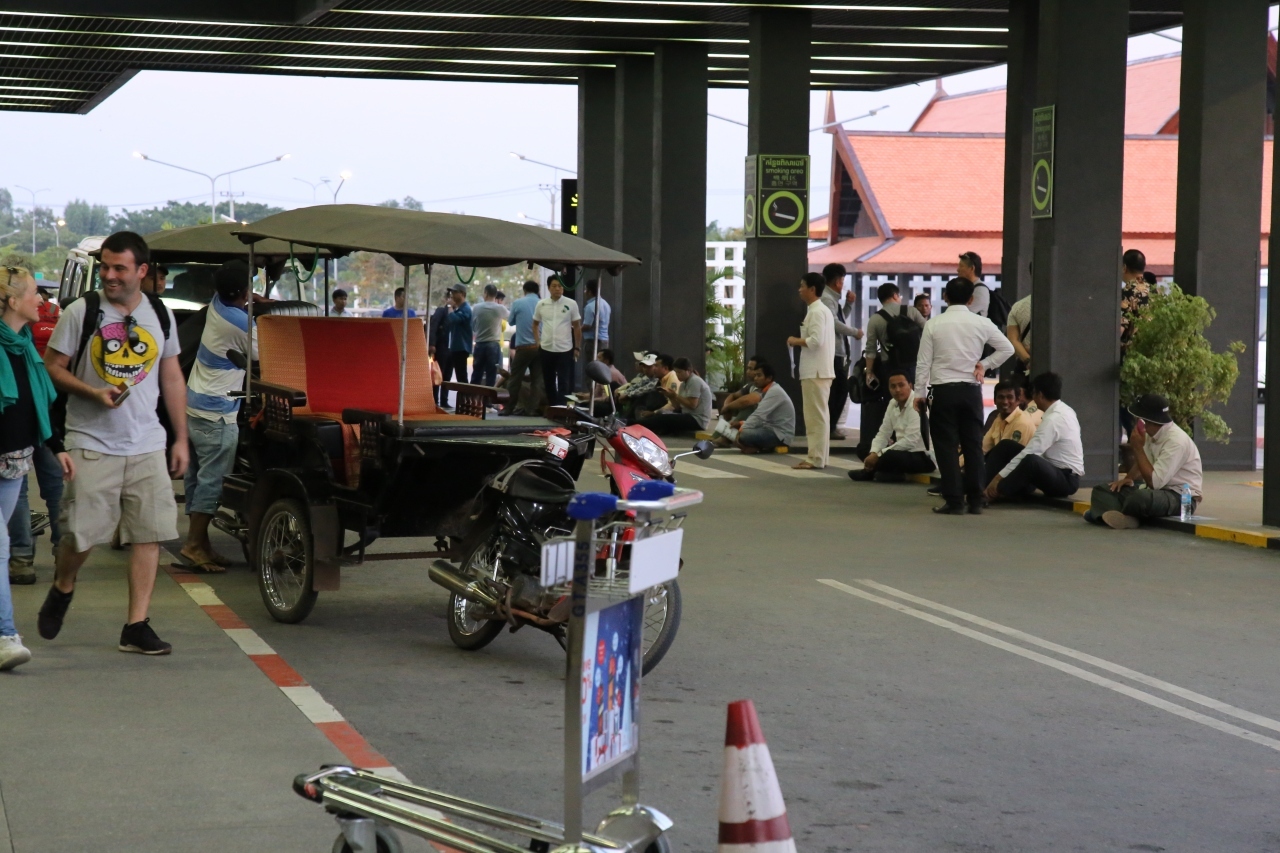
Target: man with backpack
<point>893,339</point>
<point>114,353</point>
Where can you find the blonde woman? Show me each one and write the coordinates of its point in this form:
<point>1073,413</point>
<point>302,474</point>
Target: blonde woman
<point>26,396</point>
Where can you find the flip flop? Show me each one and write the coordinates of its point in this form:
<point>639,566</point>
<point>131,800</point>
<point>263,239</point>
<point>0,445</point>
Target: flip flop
<point>805,466</point>
<point>200,564</point>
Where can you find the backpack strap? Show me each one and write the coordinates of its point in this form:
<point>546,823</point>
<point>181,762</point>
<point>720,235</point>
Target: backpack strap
<point>92,305</point>
<point>162,314</point>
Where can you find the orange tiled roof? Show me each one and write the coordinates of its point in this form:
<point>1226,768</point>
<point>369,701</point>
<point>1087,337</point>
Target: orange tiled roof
<point>1151,100</point>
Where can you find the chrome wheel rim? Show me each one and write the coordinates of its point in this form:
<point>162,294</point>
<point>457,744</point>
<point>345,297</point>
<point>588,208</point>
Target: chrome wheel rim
<point>283,558</point>
<point>481,565</point>
<point>655,616</point>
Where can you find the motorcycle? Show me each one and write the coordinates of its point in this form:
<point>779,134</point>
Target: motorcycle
<point>498,582</point>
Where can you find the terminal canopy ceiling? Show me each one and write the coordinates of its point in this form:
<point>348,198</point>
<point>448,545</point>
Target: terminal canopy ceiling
<point>68,55</point>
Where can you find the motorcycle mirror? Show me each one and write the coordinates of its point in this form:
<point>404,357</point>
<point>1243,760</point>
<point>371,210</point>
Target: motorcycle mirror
<point>598,371</point>
<point>703,449</point>
<point>237,358</point>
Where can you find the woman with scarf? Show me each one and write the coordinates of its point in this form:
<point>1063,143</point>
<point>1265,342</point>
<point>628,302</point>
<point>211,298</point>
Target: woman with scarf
<point>26,397</point>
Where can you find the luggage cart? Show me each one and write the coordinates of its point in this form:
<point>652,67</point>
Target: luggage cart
<point>620,549</point>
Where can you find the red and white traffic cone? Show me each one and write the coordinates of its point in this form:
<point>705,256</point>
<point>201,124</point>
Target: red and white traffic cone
<point>753,816</point>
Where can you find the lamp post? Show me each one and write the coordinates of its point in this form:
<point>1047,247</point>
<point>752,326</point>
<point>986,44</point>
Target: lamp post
<point>213,179</point>
<point>343,176</point>
<point>57,235</point>
<point>555,186</point>
<point>34,193</point>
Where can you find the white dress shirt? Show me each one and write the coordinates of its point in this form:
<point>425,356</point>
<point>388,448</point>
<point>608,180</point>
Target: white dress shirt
<point>818,355</point>
<point>903,422</point>
<point>1176,460</point>
<point>951,346</point>
<point>1057,440</point>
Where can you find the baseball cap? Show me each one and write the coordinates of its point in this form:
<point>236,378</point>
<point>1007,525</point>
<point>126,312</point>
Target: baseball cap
<point>648,359</point>
<point>1151,407</point>
<point>457,288</point>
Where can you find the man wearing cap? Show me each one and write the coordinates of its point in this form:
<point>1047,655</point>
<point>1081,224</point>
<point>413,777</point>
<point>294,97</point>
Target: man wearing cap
<point>644,384</point>
<point>339,304</point>
<point>1165,459</point>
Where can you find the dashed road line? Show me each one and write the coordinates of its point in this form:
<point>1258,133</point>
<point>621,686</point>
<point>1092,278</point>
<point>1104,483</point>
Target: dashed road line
<point>1078,672</point>
<point>758,464</point>
<point>707,472</point>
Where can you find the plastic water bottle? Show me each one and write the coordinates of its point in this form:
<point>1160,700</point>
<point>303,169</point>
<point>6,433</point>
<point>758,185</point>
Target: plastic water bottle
<point>1188,503</point>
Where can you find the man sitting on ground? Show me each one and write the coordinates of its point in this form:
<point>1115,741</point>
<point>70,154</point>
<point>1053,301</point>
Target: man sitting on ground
<point>1011,429</point>
<point>772,423</point>
<point>1053,461</point>
<point>899,447</point>
<point>663,370</point>
<point>1165,459</point>
<point>738,406</point>
<point>687,410</point>
<point>632,393</point>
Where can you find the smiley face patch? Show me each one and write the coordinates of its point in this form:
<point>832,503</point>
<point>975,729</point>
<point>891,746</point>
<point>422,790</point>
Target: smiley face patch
<point>123,354</point>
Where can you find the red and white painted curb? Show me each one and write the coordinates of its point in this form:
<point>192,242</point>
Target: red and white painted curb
<point>308,700</point>
<point>753,816</point>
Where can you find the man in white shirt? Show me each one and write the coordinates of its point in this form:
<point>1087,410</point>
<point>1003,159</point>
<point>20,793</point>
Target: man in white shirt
<point>557,327</point>
<point>817,342</point>
<point>339,304</point>
<point>949,368</point>
<point>1053,460</point>
<point>840,304</point>
<point>1165,459</point>
<point>899,448</point>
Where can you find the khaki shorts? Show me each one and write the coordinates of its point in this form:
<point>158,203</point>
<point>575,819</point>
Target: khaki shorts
<point>132,492</point>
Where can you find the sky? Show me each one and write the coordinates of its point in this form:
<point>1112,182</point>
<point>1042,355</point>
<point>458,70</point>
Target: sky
<point>445,143</point>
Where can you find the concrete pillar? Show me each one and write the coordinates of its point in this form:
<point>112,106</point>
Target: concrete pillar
<point>778,119</point>
<point>1271,451</point>
<point>633,201</point>
<point>678,266</point>
<point>1024,35</point>
<point>1076,270</point>
<point>1222,119</point>
<point>595,169</point>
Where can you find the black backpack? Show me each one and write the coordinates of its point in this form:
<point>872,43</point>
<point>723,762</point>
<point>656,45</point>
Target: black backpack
<point>92,305</point>
<point>902,337</point>
<point>998,313</point>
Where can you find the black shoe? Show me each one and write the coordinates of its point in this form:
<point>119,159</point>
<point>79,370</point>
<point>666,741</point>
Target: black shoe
<point>141,638</point>
<point>934,492</point>
<point>53,611</point>
<point>891,477</point>
<point>861,476</point>
<point>975,508</point>
<point>950,509</point>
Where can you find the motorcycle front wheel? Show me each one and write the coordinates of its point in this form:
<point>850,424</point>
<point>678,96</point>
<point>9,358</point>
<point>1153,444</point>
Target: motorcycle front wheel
<point>662,607</point>
<point>465,631</point>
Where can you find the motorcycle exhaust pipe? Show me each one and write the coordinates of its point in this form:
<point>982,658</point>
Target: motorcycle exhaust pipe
<point>448,577</point>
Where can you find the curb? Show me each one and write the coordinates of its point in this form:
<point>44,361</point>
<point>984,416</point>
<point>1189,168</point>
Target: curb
<point>1220,532</point>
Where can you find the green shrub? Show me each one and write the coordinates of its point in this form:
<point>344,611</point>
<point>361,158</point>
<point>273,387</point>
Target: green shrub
<point>1169,354</point>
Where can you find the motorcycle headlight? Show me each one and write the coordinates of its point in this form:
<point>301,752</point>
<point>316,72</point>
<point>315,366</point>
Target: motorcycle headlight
<point>653,455</point>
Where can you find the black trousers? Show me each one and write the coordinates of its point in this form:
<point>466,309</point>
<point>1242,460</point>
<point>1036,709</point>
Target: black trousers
<point>839,392</point>
<point>1001,455</point>
<point>557,375</point>
<point>670,423</point>
<point>955,424</point>
<point>872,417</point>
<point>904,462</point>
<point>1036,472</point>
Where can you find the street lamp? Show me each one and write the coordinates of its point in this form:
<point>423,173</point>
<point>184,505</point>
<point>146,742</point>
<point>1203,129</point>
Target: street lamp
<point>344,175</point>
<point>57,235</point>
<point>34,193</point>
<point>213,179</point>
<point>542,222</point>
<point>556,170</point>
<point>314,187</point>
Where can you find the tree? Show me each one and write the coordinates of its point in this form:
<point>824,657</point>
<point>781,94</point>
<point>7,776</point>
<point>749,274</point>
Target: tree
<point>1169,354</point>
<point>716,234</point>
<point>183,214</point>
<point>409,203</point>
<point>6,211</point>
<point>83,218</point>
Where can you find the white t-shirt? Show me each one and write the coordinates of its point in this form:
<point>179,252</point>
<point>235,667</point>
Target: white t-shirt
<point>556,318</point>
<point>113,359</point>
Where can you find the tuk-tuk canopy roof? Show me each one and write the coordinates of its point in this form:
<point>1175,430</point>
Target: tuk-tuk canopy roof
<point>421,237</point>
<point>214,244</point>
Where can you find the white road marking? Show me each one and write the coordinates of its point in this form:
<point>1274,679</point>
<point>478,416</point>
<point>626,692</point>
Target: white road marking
<point>1117,669</point>
<point>249,641</point>
<point>312,704</point>
<point>848,464</point>
<point>771,467</point>
<point>707,472</point>
<point>202,594</point>
<point>1083,674</point>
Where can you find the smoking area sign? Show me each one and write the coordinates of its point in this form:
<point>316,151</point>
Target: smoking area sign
<point>1042,163</point>
<point>777,198</point>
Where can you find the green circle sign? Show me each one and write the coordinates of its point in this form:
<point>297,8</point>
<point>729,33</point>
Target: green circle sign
<point>749,218</point>
<point>1041,194</point>
<point>797,217</point>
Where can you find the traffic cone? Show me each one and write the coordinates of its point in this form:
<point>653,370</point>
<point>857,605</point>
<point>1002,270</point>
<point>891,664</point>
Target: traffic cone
<point>753,816</point>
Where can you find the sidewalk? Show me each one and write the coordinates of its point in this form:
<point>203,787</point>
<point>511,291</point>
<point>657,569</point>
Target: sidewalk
<point>104,751</point>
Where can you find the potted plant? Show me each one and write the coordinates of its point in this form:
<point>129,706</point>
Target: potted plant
<point>1169,354</point>
<point>726,330</point>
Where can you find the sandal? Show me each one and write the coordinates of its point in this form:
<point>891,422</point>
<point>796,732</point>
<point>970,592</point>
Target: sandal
<point>200,563</point>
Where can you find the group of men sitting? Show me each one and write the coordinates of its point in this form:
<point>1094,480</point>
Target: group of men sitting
<point>1033,444</point>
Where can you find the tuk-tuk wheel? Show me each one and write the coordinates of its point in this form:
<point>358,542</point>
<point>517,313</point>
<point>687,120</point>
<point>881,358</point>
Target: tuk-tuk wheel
<point>286,561</point>
<point>387,842</point>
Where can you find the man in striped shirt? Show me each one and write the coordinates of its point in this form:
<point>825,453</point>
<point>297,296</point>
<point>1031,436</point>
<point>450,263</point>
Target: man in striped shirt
<point>212,409</point>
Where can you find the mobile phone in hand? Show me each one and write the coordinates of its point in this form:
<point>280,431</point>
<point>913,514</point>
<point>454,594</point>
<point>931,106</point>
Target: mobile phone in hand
<point>124,395</point>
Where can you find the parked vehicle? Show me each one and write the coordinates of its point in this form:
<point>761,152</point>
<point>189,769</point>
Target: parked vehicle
<point>497,584</point>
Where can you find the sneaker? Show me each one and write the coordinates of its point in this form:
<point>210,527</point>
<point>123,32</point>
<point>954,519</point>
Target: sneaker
<point>22,571</point>
<point>861,476</point>
<point>934,491</point>
<point>1119,521</point>
<point>13,653</point>
<point>53,611</point>
<point>140,637</point>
